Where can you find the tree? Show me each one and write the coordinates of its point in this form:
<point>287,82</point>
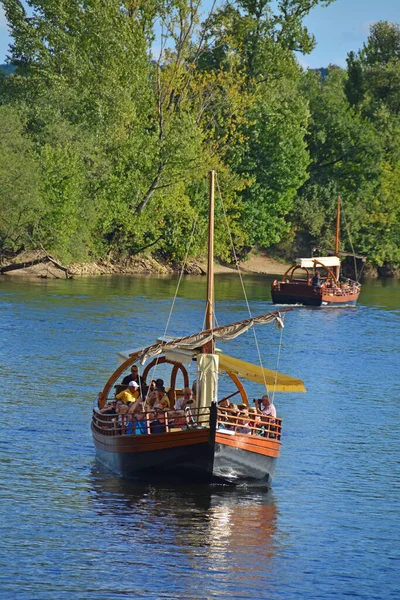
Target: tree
<point>373,88</point>
<point>270,154</point>
<point>345,151</point>
<point>20,204</point>
<point>374,71</point>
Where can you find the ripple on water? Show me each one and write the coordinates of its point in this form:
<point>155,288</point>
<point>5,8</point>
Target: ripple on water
<point>71,530</point>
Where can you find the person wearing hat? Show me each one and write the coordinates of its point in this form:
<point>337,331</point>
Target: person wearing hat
<point>131,394</point>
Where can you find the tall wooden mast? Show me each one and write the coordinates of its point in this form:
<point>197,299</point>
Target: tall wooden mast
<point>210,264</point>
<point>337,269</point>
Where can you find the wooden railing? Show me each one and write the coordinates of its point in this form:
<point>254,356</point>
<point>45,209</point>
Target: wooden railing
<point>151,422</point>
<point>228,421</point>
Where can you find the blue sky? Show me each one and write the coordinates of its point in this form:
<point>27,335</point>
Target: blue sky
<point>341,27</point>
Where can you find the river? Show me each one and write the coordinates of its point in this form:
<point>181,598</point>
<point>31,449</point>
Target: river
<point>328,529</point>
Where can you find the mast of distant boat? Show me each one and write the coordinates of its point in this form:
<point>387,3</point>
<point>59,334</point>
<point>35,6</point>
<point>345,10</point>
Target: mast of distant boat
<point>337,269</point>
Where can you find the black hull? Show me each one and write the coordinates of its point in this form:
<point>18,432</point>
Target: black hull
<point>310,301</point>
<point>193,463</point>
<point>239,466</point>
<point>281,299</point>
<point>206,462</point>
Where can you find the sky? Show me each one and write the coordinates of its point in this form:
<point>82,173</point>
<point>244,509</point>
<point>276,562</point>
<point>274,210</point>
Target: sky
<point>339,28</point>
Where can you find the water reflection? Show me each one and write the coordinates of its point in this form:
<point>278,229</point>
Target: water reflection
<point>219,522</point>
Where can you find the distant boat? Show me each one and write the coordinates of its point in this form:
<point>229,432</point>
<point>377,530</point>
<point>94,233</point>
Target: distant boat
<point>317,281</point>
<point>207,441</point>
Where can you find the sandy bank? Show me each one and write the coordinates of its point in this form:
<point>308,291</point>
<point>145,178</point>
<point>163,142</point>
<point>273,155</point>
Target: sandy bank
<point>138,265</point>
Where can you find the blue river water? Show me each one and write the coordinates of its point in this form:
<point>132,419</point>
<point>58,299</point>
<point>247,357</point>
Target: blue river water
<point>328,528</point>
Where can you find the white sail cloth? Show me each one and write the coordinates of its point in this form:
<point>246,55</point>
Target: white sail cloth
<point>191,342</point>
<point>207,379</point>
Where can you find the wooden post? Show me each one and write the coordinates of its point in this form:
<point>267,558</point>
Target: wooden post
<point>337,269</point>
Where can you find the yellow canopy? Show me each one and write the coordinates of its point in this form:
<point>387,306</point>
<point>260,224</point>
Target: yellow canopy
<point>284,383</point>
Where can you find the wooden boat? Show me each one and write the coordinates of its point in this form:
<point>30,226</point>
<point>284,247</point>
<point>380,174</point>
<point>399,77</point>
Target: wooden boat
<point>317,281</point>
<point>208,445</point>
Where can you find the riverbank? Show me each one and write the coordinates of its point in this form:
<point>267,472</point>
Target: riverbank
<point>258,262</point>
<point>39,265</point>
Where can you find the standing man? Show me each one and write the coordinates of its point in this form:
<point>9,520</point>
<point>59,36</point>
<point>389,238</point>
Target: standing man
<point>134,376</point>
<point>316,280</point>
<point>266,407</point>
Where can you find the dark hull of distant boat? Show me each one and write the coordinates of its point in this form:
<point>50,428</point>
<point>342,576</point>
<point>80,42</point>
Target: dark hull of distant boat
<point>308,295</point>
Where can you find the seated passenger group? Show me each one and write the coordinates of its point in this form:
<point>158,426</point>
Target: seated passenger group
<point>139,404</point>
<point>253,420</point>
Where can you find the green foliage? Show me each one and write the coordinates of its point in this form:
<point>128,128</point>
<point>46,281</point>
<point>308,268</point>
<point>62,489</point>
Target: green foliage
<point>345,150</point>
<point>20,204</point>
<point>276,158</point>
<point>64,227</point>
<point>105,149</point>
<point>374,71</point>
<point>373,88</point>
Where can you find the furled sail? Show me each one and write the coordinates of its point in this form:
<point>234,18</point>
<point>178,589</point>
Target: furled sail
<point>197,340</point>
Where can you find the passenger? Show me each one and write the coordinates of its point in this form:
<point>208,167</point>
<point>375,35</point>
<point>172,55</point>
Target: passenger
<point>267,409</point>
<point>153,385</point>
<point>185,399</point>
<point>243,423</point>
<point>134,376</point>
<point>316,280</point>
<point>150,400</point>
<point>137,418</point>
<point>232,413</point>
<point>161,405</point>
<point>254,421</point>
<point>224,403</point>
<point>131,394</point>
<point>136,406</point>
<point>109,408</point>
<point>162,400</point>
<point>222,414</point>
<point>122,412</point>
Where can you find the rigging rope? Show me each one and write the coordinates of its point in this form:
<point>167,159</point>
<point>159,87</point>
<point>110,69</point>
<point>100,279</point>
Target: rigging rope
<point>177,288</point>
<point>281,326</point>
<point>350,240</point>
